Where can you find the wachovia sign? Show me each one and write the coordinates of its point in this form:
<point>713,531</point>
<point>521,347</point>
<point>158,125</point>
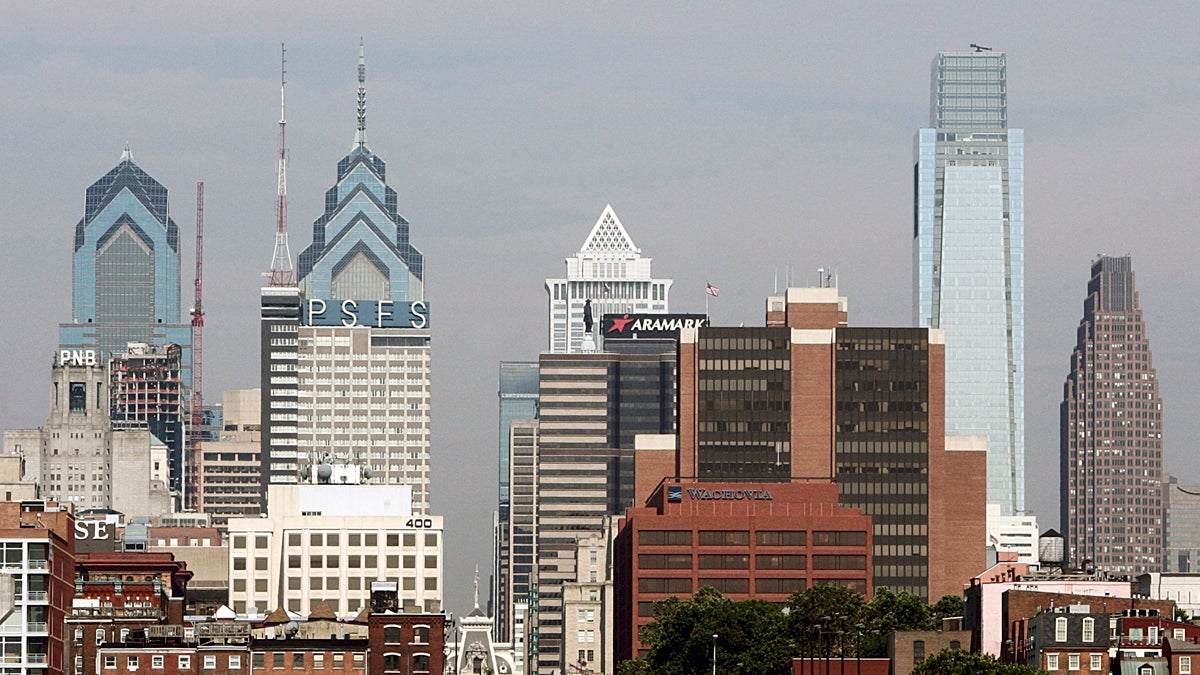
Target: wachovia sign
<point>648,326</point>
<point>675,494</point>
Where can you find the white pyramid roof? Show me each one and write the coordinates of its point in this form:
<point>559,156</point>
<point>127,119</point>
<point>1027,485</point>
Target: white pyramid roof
<point>608,236</point>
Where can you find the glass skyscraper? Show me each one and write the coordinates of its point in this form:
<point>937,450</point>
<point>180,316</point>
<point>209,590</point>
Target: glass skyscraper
<point>969,258</point>
<point>125,270</point>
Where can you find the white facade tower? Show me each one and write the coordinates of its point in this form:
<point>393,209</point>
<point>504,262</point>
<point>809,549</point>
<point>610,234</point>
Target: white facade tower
<point>609,271</point>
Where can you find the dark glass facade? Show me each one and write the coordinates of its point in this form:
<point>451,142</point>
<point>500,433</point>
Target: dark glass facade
<point>744,404</point>
<point>882,445</point>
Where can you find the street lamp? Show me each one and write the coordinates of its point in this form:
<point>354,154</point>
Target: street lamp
<point>714,658</point>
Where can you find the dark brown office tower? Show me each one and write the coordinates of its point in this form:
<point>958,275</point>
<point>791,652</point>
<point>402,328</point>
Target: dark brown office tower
<point>1111,432</point>
<point>808,398</point>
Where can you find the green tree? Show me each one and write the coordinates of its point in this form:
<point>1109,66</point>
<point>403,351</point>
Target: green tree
<point>958,662</point>
<point>889,611</point>
<point>751,639</point>
<point>949,605</point>
<point>826,620</point>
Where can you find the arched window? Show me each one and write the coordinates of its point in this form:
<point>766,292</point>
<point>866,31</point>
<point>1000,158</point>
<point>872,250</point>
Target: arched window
<point>421,635</point>
<point>391,635</point>
<point>918,651</point>
<point>1089,629</point>
<point>392,663</point>
<point>1060,629</point>
<point>420,663</point>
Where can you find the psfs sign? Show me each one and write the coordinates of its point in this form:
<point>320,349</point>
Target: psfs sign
<point>366,313</point>
<point>648,326</point>
<point>77,357</point>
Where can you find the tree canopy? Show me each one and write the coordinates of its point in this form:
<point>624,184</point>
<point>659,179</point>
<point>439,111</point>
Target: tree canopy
<point>760,638</point>
<point>958,662</point>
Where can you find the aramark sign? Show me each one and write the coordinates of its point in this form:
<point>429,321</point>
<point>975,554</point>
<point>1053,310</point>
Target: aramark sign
<point>366,313</point>
<point>649,326</point>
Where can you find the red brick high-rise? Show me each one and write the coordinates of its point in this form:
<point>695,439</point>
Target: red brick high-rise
<point>809,398</point>
<point>1111,432</point>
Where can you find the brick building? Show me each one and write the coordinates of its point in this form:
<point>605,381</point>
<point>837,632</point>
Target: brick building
<point>910,648</point>
<point>117,593</point>
<point>403,642</point>
<point>1065,639</point>
<point>748,540</point>
<point>808,397</point>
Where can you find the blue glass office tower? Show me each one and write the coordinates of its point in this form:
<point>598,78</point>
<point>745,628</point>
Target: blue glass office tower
<point>969,258</point>
<point>360,247</point>
<point>518,391</point>
<point>125,271</point>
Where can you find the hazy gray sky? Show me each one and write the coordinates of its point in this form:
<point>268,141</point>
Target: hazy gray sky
<point>731,139</point>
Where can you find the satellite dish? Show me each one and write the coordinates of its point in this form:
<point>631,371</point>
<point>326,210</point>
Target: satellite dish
<point>291,628</point>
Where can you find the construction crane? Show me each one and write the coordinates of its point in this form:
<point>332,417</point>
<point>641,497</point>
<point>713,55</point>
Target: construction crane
<point>192,484</point>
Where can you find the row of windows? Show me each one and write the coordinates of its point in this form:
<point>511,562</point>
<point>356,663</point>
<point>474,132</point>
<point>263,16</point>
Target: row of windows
<point>333,539</point>
<point>761,538</point>
<point>742,562</point>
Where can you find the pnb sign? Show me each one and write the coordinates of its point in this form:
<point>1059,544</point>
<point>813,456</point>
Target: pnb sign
<point>77,357</point>
<point>366,313</point>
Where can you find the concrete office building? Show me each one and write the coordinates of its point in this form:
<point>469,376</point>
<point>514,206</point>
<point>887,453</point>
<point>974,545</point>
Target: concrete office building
<point>1018,534</point>
<point>230,478</point>
<point>609,272</point>
<point>969,258</point>
<point>516,573</point>
<point>808,397</point>
<point>591,408</point>
<point>1111,432</point>
<point>328,540</point>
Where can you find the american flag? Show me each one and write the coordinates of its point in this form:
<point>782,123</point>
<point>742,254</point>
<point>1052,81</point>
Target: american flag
<point>712,290</point>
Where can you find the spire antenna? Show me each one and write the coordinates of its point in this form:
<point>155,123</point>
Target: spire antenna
<point>282,273</point>
<point>360,138</point>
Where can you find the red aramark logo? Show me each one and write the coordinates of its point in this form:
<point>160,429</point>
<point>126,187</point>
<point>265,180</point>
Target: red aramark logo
<point>619,325</point>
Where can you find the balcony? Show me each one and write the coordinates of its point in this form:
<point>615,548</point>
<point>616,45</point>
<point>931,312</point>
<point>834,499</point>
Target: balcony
<point>36,627</point>
<point>34,596</point>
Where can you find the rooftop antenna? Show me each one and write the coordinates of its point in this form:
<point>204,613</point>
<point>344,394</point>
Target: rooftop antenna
<point>980,48</point>
<point>360,138</point>
<point>282,273</point>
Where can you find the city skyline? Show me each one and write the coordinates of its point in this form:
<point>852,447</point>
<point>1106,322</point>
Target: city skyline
<point>504,133</point>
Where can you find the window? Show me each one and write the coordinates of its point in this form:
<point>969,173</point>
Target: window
<point>156,661</point>
<point>918,651</point>
<point>110,662</point>
<point>421,635</point>
<point>1072,662</point>
<point>185,661</point>
<point>391,635</point>
<point>277,660</point>
<point>665,538</point>
<point>839,562</point>
<point>724,538</point>
<point>779,562</point>
<point>391,663</point>
<point>725,562</point>
<point>1185,665</point>
<point>339,660</point>
<point>1052,662</point>
<point>210,662</point>
<point>318,661</point>
<point>654,561</point>
<point>839,538</point>
<point>1089,629</point>
<point>1060,629</point>
<point>780,538</point>
<point>124,634</point>
<point>1094,662</point>
<point>131,663</point>
<point>100,640</point>
<point>955,644</point>
<point>297,659</point>
<point>420,663</point>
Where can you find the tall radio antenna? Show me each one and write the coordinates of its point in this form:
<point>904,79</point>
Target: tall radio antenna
<point>282,273</point>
